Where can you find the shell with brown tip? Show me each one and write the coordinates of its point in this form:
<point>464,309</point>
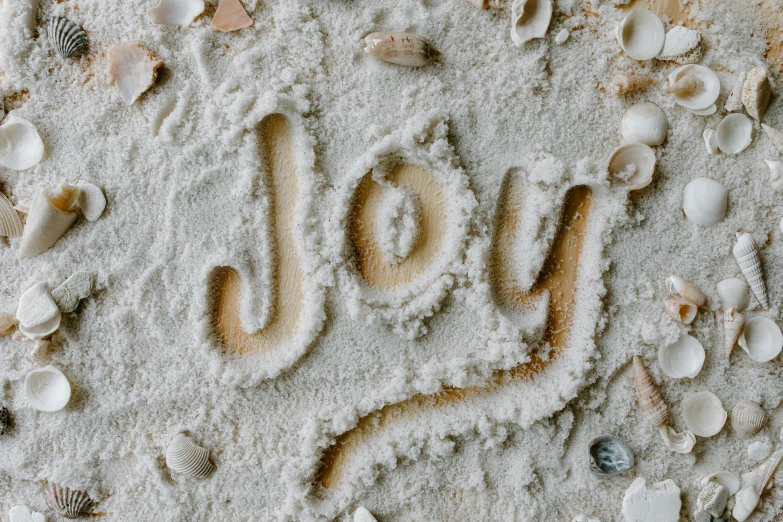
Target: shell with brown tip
<point>68,502</point>
<point>678,285</point>
<point>650,400</point>
<point>407,49</point>
<point>747,418</point>
<point>756,92</point>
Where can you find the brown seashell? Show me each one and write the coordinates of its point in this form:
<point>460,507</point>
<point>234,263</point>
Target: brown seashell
<point>733,321</point>
<point>68,502</point>
<point>747,418</point>
<point>680,309</point>
<point>400,48</point>
<point>756,92</point>
<point>650,400</point>
<point>685,85</point>
<point>7,323</point>
<point>230,16</point>
<point>625,83</point>
<point>10,224</point>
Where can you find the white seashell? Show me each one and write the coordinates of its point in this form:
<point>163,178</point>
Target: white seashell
<point>733,322</point>
<point>678,285</point>
<point>680,309</point>
<point>625,83</point>
<point>703,97</point>
<point>632,166</point>
<point>677,442</point>
<point>747,418</point>
<point>69,503</point>
<point>756,92</point>
<point>657,503</point>
<point>91,201</point>
<point>704,414</point>
<point>188,458</point>
<point>752,486</point>
<point>682,358</point>
<point>39,355</point>
<point>775,174</point>
<point>728,479</point>
<point>47,389</point>
<point>25,514</point>
<point>705,201</point>
<point>608,456</point>
<point>775,135</point>
<point>562,36</point>
<point>529,19</point>
<point>400,48</point>
<point>712,498</point>
<point>734,133</point>
<point>710,141</point>
<point>734,100</point>
<point>50,217</point>
<point>641,34</point>
<point>132,69</point>
<point>72,290</point>
<point>712,109</point>
<point>175,12</point>
<point>10,224</point>
<point>644,123</point>
<point>230,16</point>
<point>21,146</point>
<point>7,324</point>
<point>485,4</point>
<point>681,45</point>
<point>66,37</point>
<point>650,401</point>
<point>760,450</point>
<point>733,293</point>
<point>746,253</point>
<point>761,339</point>
<point>37,312</point>
<point>362,515</point>
<point>397,223</point>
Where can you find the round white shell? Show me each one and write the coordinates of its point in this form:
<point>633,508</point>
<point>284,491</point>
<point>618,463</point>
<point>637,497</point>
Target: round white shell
<point>682,358</point>
<point>529,19</point>
<point>645,123</point>
<point>727,478</point>
<point>705,201</point>
<point>37,312</point>
<point>734,133</point>
<point>363,515</point>
<point>733,292</point>
<point>704,414</point>
<point>761,339</point>
<point>21,147</point>
<point>641,34</point>
<point>175,12</point>
<point>632,166</point>
<point>703,98</point>
<point>47,389</point>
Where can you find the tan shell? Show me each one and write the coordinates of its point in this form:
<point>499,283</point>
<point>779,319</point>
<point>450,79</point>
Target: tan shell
<point>685,85</point>
<point>747,418</point>
<point>733,321</point>
<point>132,69</point>
<point>680,309</point>
<point>775,135</point>
<point>230,16</point>
<point>625,83</point>
<point>650,400</point>
<point>756,92</point>
<point>400,48</point>
<point>7,324</point>
<point>69,503</point>
<point>691,292</point>
<point>10,224</point>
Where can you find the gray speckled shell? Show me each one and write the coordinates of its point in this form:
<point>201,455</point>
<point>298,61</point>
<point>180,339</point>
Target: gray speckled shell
<point>67,38</point>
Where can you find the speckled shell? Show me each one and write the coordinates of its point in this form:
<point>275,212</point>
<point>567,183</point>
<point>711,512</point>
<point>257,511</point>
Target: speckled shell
<point>188,458</point>
<point>747,418</point>
<point>69,503</point>
<point>650,400</point>
<point>756,92</point>
<point>10,224</point>
<point>747,255</point>
<point>67,38</point>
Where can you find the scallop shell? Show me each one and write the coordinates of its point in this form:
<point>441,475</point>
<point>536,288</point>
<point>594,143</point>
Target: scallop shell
<point>702,99</point>
<point>733,293</point>
<point>72,290</point>
<point>641,34</point>
<point>712,498</point>
<point>678,285</point>
<point>644,123</point>
<point>10,224</point>
<point>625,83</point>
<point>230,16</point>
<point>734,133</point>
<point>756,92</point>
<point>650,400</point>
<point>734,100</point>
<point>66,37</point>
<point>753,484</point>
<point>704,414</point>
<point>47,389</point>
<point>705,201</point>
<point>682,358</point>
<point>91,201</point>
<point>362,515</point>
<point>132,69</point>
<point>5,420</point>
<point>529,19</point>
<point>746,253</point>
<point>680,309</point>
<point>710,141</point>
<point>188,458</point>
<point>407,49</point>
<point>21,146</point>
<point>761,339</point>
<point>681,45</point>
<point>51,215</point>
<point>25,514</point>
<point>485,4</point>
<point>609,456</point>
<point>37,312</point>
<point>775,135</point>
<point>68,502</point>
<point>733,322</point>
<point>775,174</point>
<point>632,166</point>
<point>728,479</point>
<point>175,12</point>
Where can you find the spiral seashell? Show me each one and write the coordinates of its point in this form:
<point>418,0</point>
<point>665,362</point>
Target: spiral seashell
<point>747,418</point>
<point>68,502</point>
<point>650,400</point>
<point>733,321</point>
<point>680,309</point>
<point>685,85</point>
<point>756,92</point>
<point>747,255</point>
<point>625,83</point>
<point>186,457</point>
<point>734,100</point>
<point>485,4</point>
<point>686,289</point>
<point>713,498</point>
<point>10,224</point>
<point>775,135</point>
<point>67,38</point>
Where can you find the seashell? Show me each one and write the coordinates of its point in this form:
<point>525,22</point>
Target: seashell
<point>188,458</point>
<point>703,97</point>
<point>775,174</point>
<point>686,84</point>
<point>529,19</point>
<point>7,324</point>
<point>761,339</point>
<point>705,201</point>
<point>641,34</point>
<point>746,253</point>
<point>704,414</point>
<point>650,400</point>
<point>644,123</point>
<point>66,37</point>
<point>133,69</point>
<point>677,442</point>
<point>733,293</point>
<point>682,358</point>
<point>681,45</point>
<point>625,83</point>
<point>775,135</point>
<point>734,133</point>
<point>23,205</point>
<point>632,166</point>
<point>21,146</point>
<point>72,290</point>
<point>710,141</point>
<point>712,109</point>
<point>485,4</point>
<point>680,309</point>
<point>5,420</point>
<point>756,92</point>
<point>729,480</point>
<point>230,16</point>
<point>657,503</point>
<point>760,450</point>
<point>562,36</point>
<point>47,389</point>
<point>609,456</point>
<point>752,486</point>
<point>10,224</point>
<point>734,100</point>
<point>400,48</point>
<point>40,352</point>
<point>175,12</point>
<point>733,322</point>
<point>678,285</point>
<point>25,514</point>
<point>91,201</point>
<point>68,502</point>
<point>362,515</point>
<point>50,217</point>
<point>37,312</point>
<point>712,498</point>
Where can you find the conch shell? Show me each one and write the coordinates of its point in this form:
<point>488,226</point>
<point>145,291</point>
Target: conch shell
<point>680,309</point>
<point>400,48</point>
<point>686,289</point>
<point>747,256</point>
<point>756,92</point>
<point>625,83</point>
<point>733,321</point>
<point>753,484</point>
<point>685,85</point>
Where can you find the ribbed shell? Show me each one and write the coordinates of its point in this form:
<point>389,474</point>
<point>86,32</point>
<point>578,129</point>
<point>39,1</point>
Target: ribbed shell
<point>756,92</point>
<point>68,502</point>
<point>775,135</point>
<point>400,48</point>
<point>650,400</point>
<point>10,224</point>
<point>67,38</point>
<point>733,322</point>
<point>747,418</point>
<point>747,255</point>
<point>186,457</point>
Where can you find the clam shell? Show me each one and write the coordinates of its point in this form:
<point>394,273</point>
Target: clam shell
<point>51,215</point>
<point>529,19</point>
<point>710,141</point>
<point>682,358</point>
<point>703,98</point>
<point>230,16</point>
<point>632,166</point>
<point>47,389</point>
<point>188,458</point>
<point>746,253</point>
<point>21,146</point>
<point>25,514</point>
<point>704,414</point>
<point>66,37</point>
<point>728,479</point>
<point>72,290</point>
<point>91,201</point>
<point>641,34</point>
<point>37,312</point>
<point>175,12</point>
<point>678,285</point>
<point>734,133</point>
<point>647,394</point>
<point>734,100</point>
<point>733,322</point>
<point>705,201</point>
<point>775,135</point>
<point>362,515</point>
<point>10,224</point>
<point>609,456</point>
<point>681,45</point>
<point>645,123</point>
<point>680,309</point>
<point>68,502</point>
<point>733,293</point>
<point>775,174</point>
<point>761,339</point>
<point>756,92</point>
<point>562,36</point>
<point>712,498</point>
<point>760,450</point>
<point>407,49</point>
<point>132,69</point>
<point>625,83</point>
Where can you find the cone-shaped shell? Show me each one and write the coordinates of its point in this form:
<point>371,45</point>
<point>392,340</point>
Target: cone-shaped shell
<point>230,16</point>
<point>753,484</point>
<point>10,224</point>
<point>680,309</point>
<point>747,418</point>
<point>733,321</point>
<point>186,457</point>
<point>650,400</point>
<point>686,289</point>
<point>49,219</point>
<point>775,135</point>
<point>734,100</point>
<point>746,253</point>
<point>68,502</point>
<point>756,92</point>
<point>407,49</point>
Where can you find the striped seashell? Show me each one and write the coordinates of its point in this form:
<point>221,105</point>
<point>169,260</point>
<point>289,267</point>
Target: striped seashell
<point>756,92</point>
<point>747,418</point>
<point>10,224</point>
<point>67,38</point>
<point>650,400</point>
<point>625,83</point>
<point>186,457</point>
<point>747,255</point>
<point>68,502</point>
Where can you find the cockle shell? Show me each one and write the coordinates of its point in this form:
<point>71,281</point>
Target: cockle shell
<point>657,503</point>
<point>761,339</point>
<point>72,290</point>
<point>90,201</point>
<point>682,358</point>
<point>21,146</point>
<point>7,324</point>
<point>733,322</point>
<point>632,166</point>
<point>710,141</point>
<point>66,37</point>
<point>701,100</point>
<point>608,456</point>
<point>230,16</point>
<point>746,253</point>
<point>37,312</point>
<point>47,389</point>
<point>400,48</point>
<point>678,285</point>
<point>51,215</point>
<point>529,19</point>
<point>644,123</point>
<point>705,201</point>
<point>681,45</point>
<point>175,12</point>
<point>734,100</point>
<point>68,502</point>
<point>733,293</point>
<point>132,69</point>
<point>753,484</point>
<point>650,400</point>
<point>680,309</point>
<point>25,514</point>
<point>485,4</point>
<point>188,458</point>
<point>363,515</point>
<point>775,174</point>
<point>641,34</point>
<point>756,92</point>
<point>760,450</point>
<point>734,133</point>
<point>712,498</point>
<point>10,224</point>
<point>625,83</point>
<point>686,84</point>
<point>704,414</point>
<point>775,135</point>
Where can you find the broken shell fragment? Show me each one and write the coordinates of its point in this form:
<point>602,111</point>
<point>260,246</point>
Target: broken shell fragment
<point>10,224</point>
<point>21,147</point>
<point>678,285</point>
<point>632,166</point>
<point>705,201</point>
<point>363,515</point>
<point>609,456</point>
<point>712,498</point>
<point>702,98</point>
<point>753,484</point>
<point>760,450</point>
<point>657,503</point>
<point>680,309</point>
<point>68,502</point>
<point>7,324</point>
<point>51,215</point>
<point>37,312</point>
<point>72,290</point>
<point>682,358</point>
<point>775,135</point>
<point>188,458</point>
<point>761,339</point>
<point>400,48</point>
<point>644,123</point>
<point>734,100</point>
<point>47,389</point>
<point>710,141</point>
<point>734,133</point>
<point>641,34</point>
<point>66,37</point>
<point>398,224</point>
<point>175,12</point>
<point>733,293</point>
<point>756,92</point>
<point>90,201</point>
<point>681,45</point>
<point>775,174</point>
<point>529,19</point>
<point>733,322</point>
<point>728,479</point>
<point>230,16</point>
<point>625,83</point>
<point>704,414</point>
<point>25,514</point>
<point>132,69</point>
<point>746,253</point>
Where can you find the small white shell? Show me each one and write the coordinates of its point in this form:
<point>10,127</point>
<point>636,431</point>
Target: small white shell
<point>231,16</point>
<point>710,141</point>
<point>705,201</point>
<point>186,457</point>
<point>681,45</point>
<point>407,49</point>
<point>730,480</point>
<point>678,285</point>
<point>363,515</point>
<point>10,224</point>
<point>761,339</point>
<point>175,12</point>
<point>132,69</point>
<point>51,215</point>
<point>37,312</point>
<point>703,98</point>
<point>734,133</point>
<point>760,450</point>
<point>713,498</point>
<point>775,135</point>
<point>641,34</point>
<point>644,123</point>
<point>47,389</point>
<point>682,358</point>
<point>529,19</point>
<point>704,414</point>
<point>680,309</point>
<point>72,290</point>
<point>747,418</point>
<point>756,92</point>
<point>562,36</point>
<point>91,201</point>
<point>746,253</point>
<point>775,174</point>
<point>21,147</point>
<point>25,514</point>
<point>632,166</point>
<point>734,100</point>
